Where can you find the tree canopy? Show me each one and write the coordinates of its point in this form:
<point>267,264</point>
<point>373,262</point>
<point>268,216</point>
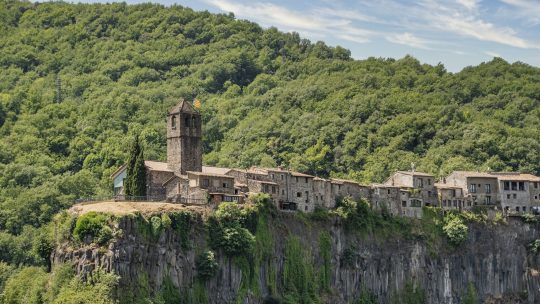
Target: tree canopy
<point>79,80</point>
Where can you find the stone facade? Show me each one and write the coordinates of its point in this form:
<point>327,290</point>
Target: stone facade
<point>452,198</point>
<point>184,139</point>
<point>481,188</point>
<point>421,186</point>
<point>386,196</point>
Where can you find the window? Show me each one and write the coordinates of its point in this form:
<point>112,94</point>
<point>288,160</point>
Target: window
<point>517,209</point>
<point>416,203</point>
<point>536,197</point>
<point>488,188</point>
<point>429,193</point>
<point>273,177</point>
<point>514,195</point>
<point>225,185</point>
<point>388,191</point>
<point>455,203</point>
<point>514,186</point>
<point>472,188</point>
<point>508,196</point>
<point>186,121</point>
<point>488,200</point>
<point>205,182</point>
<point>282,191</point>
<point>296,179</point>
<point>305,208</point>
<point>420,183</point>
<point>521,186</point>
<point>536,185</point>
<point>306,180</point>
<point>193,122</point>
<point>403,203</point>
<point>298,194</point>
<point>282,177</point>
<point>506,185</point>
<point>524,208</point>
<point>173,122</point>
<point>453,192</point>
<point>429,181</point>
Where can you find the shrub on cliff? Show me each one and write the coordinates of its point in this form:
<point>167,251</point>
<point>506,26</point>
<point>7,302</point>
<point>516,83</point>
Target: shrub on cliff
<point>93,225</point>
<point>237,241</point>
<point>455,229</point>
<point>206,265</point>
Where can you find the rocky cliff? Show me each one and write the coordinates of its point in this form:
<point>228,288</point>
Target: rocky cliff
<point>495,260</point>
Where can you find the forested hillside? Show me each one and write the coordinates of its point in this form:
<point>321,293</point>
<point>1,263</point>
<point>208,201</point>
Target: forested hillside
<point>77,81</point>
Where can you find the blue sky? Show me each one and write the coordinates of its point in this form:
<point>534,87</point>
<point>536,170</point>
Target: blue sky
<point>457,33</point>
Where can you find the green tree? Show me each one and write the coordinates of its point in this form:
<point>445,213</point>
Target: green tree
<point>135,184</point>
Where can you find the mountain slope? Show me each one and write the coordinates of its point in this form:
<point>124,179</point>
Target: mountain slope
<point>78,79</point>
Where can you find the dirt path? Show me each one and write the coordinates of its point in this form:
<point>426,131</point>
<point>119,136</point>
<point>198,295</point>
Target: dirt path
<point>124,208</point>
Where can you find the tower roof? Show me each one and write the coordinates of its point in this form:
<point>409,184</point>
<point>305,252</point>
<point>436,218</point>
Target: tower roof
<point>183,107</point>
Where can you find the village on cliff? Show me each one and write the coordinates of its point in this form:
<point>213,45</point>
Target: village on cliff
<point>183,179</point>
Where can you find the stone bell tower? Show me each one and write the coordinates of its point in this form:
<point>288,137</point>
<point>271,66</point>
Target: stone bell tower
<point>184,138</point>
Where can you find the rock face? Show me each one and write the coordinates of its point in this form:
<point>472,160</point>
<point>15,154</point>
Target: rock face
<point>495,260</point>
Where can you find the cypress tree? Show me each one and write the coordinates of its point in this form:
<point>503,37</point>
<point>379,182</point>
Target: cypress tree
<point>135,183</point>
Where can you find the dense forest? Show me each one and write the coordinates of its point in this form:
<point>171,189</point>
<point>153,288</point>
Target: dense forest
<point>78,81</point>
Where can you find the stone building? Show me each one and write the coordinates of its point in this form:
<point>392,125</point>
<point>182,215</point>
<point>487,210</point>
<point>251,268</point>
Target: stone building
<point>517,191</point>
<point>184,139</point>
<point>183,179</point>
<point>348,188</point>
<point>419,186</point>
<point>388,196</point>
<point>481,188</point>
<point>452,197</point>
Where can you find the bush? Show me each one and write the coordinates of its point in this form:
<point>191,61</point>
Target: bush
<point>237,241</point>
<point>534,247</point>
<point>455,229</point>
<point>529,218</point>
<point>470,297</point>
<point>206,265</point>
<point>93,225</point>
<point>28,286</point>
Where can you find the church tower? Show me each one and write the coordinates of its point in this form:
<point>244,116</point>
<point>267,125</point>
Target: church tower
<point>184,139</point>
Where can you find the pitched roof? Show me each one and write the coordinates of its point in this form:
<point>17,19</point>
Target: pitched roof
<point>293,173</point>
<point>473,174</point>
<point>157,166</point>
<point>347,181</point>
<point>183,107</point>
<point>118,171</point>
<point>415,173</point>
<point>215,170</point>
<point>516,176</point>
<point>209,174</point>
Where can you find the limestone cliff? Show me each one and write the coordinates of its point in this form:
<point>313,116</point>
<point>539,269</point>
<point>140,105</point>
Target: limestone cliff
<point>495,259</point>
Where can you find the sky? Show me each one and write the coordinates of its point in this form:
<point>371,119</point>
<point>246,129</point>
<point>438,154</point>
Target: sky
<point>457,33</point>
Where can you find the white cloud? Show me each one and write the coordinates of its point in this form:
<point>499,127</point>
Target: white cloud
<point>448,18</point>
<point>408,39</point>
<point>492,54</point>
<point>319,21</point>
<point>469,4</point>
<point>525,8</point>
